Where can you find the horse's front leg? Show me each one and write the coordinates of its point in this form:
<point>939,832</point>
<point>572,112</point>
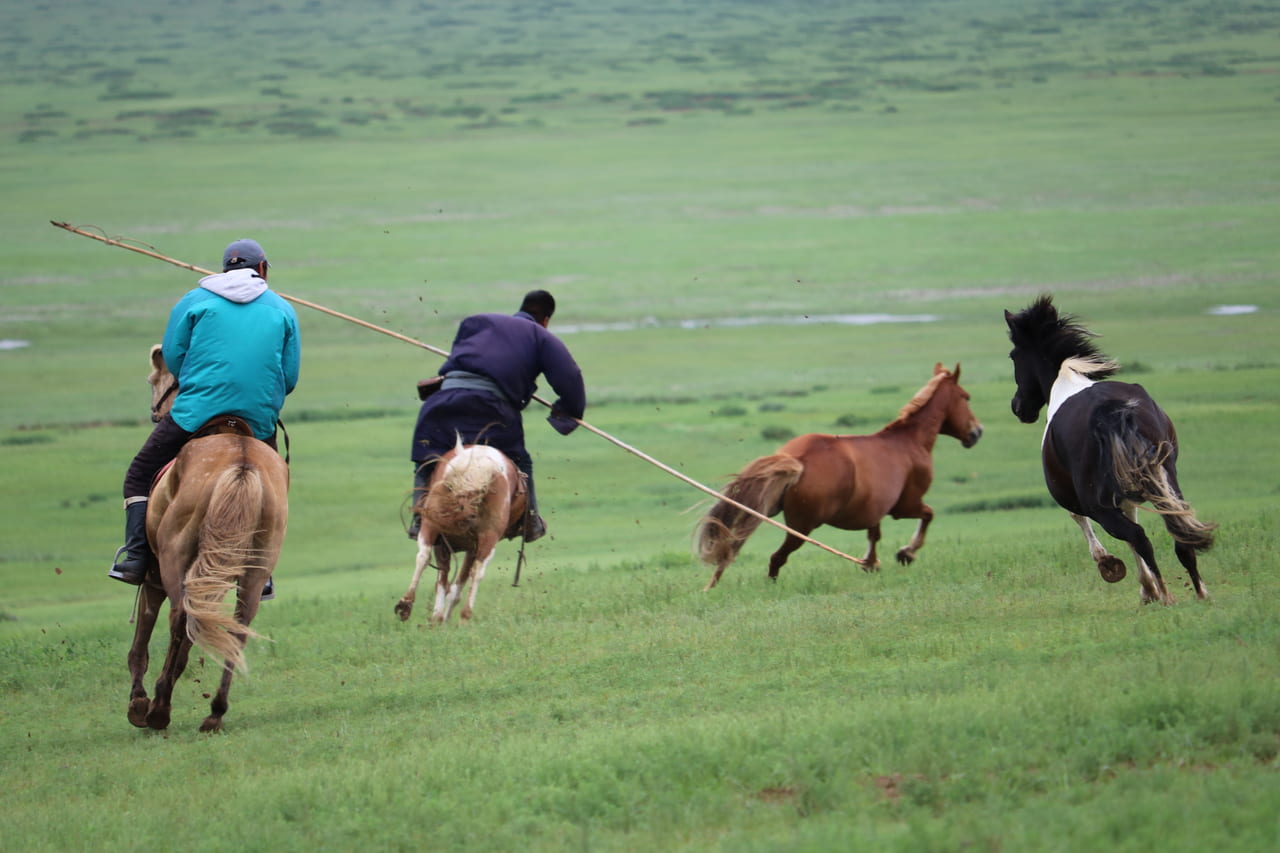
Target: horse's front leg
<point>150,599</point>
<point>870,562</point>
<point>175,662</point>
<point>405,605</point>
<point>907,554</point>
<point>1111,568</point>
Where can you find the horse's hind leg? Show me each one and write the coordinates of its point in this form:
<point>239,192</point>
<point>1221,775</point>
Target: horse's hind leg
<point>246,608</point>
<point>715,576</point>
<point>453,591</point>
<point>219,704</point>
<point>1122,526</point>
<point>404,606</point>
<point>444,563</point>
<point>150,599</point>
<point>1187,556</point>
<point>870,562</point>
<point>779,557</point>
<point>1186,552</point>
<point>477,575</point>
<point>175,662</point>
<point>1111,568</point>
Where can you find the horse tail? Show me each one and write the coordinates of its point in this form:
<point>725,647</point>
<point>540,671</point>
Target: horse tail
<point>1141,467</point>
<point>760,486</point>
<point>226,551</point>
<point>457,500</point>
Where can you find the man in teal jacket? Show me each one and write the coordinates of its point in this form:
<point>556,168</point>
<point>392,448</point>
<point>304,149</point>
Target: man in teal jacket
<point>233,345</point>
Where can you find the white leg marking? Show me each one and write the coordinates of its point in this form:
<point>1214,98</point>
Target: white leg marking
<point>1096,549</point>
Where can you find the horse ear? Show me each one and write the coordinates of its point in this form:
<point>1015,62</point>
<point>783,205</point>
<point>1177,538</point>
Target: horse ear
<point>938,368</point>
<point>956,373</point>
<point>1008,318</point>
<point>157,356</point>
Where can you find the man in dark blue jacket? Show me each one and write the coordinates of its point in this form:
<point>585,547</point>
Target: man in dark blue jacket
<point>489,378</point>
<point>233,345</point>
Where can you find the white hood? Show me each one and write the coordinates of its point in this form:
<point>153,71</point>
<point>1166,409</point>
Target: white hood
<point>241,285</point>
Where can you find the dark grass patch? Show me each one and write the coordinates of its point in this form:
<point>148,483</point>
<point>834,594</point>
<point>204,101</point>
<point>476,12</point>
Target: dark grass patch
<point>1005,504</point>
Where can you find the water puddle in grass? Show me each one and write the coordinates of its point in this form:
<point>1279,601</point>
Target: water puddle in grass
<point>738,322</point>
<point>1232,310</point>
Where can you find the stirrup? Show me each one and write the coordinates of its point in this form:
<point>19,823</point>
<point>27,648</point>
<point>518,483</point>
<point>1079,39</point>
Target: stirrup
<point>534,528</point>
<point>117,573</point>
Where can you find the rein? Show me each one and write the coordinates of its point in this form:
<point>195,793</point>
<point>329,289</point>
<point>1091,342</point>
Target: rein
<point>156,414</point>
<point>285,433</point>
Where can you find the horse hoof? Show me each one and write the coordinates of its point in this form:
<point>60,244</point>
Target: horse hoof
<point>211,724</point>
<point>158,720</point>
<point>1112,569</point>
<point>403,609</point>
<point>905,557</point>
<point>138,709</point>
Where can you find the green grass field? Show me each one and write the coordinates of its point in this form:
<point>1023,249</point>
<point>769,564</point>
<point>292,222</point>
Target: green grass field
<point>708,189</point>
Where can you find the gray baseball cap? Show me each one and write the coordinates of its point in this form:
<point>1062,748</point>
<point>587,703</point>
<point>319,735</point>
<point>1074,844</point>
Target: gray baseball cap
<point>243,253</point>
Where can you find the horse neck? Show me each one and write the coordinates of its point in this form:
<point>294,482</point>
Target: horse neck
<point>1066,385</point>
<point>924,423</point>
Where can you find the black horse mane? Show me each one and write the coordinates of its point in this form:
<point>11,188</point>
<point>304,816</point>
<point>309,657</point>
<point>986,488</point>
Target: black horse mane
<point>1039,328</point>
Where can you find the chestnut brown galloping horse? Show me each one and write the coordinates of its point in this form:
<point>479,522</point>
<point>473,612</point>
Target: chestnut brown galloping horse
<point>216,521</point>
<point>476,496</point>
<point>845,481</point>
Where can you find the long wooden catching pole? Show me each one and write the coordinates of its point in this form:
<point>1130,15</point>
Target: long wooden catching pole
<point>151,253</point>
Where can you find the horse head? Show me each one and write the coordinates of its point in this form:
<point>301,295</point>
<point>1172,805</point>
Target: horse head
<point>1032,330</point>
<point>1030,396</point>
<point>163,385</point>
<point>1042,340</point>
<point>959,422</point>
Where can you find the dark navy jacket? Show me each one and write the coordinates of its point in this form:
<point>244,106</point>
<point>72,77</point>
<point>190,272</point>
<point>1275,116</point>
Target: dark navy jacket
<point>511,350</point>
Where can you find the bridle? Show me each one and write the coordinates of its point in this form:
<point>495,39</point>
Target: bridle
<point>156,413</point>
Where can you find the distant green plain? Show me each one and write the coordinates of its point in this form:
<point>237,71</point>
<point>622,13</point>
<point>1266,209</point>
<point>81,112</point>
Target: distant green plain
<point>720,195</point>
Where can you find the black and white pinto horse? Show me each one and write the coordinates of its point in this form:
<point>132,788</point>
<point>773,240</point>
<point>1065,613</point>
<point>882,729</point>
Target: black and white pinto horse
<point>1107,447</point>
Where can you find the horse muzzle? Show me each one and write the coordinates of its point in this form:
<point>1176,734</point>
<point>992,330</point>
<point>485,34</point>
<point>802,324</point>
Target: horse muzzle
<point>972,438</point>
<point>1021,413</point>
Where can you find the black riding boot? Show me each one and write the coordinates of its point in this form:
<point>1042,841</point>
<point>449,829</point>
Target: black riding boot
<point>136,551</point>
<point>421,482</point>
<point>534,527</point>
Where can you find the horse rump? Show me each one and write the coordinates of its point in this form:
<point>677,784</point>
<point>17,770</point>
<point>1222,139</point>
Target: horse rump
<point>458,502</point>
<point>760,486</point>
<point>226,551</point>
<point>1138,450</point>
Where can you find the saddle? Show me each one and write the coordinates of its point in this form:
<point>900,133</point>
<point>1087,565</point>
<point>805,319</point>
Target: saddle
<point>223,425</point>
<point>220,425</point>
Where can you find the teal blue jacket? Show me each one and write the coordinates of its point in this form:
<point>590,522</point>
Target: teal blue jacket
<point>233,344</point>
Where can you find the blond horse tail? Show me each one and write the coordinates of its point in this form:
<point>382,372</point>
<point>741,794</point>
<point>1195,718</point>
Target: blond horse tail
<point>226,552</point>
<point>1142,472</point>
<point>760,486</point>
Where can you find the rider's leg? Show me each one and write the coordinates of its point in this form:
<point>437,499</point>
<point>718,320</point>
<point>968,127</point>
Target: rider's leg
<point>131,561</point>
<point>421,480</point>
